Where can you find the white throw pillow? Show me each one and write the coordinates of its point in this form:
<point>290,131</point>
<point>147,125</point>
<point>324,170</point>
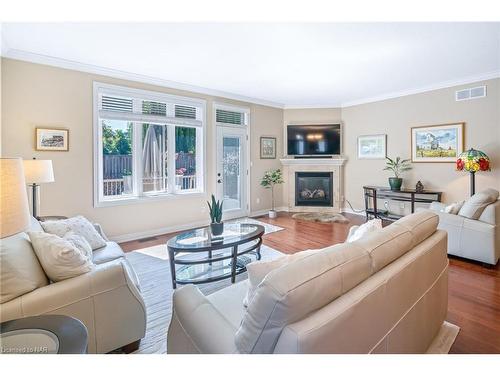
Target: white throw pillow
<point>368,227</point>
<point>475,205</point>
<point>59,258</point>
<point>79,225</point>
<point>80,243</point>
<point>257,271</point>
<point>453,208</point>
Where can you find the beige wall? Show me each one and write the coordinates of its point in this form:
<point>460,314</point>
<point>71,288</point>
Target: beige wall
<point>38,95</point>
<point>395,117</point>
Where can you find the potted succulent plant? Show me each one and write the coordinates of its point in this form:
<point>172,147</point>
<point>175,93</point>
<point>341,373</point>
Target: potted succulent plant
<point>215,210</point>
<point>398,166</point>
<point>270,179</point>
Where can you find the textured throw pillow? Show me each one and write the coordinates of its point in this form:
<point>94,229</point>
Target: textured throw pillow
<point>79,225</point>
<point>257,271</point>
<point>59,258</point>
<point>475,205</point>
<point>368,227</point>
<point>453,208</point>
<point>80,243</point>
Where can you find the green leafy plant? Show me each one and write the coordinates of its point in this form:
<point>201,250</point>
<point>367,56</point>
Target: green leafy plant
<point>215,210</point>
<point>270,179</point>
<point>398,166</point>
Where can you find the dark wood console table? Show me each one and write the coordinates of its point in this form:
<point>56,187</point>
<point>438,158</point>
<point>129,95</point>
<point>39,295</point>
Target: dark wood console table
<point>372,193</point>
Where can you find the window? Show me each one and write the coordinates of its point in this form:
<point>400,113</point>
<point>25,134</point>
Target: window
<point>148,144</point>
<point>227,115</point>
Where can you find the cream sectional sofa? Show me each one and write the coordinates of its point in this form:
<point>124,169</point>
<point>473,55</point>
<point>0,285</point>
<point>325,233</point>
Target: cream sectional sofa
<point>107,299</point>
<point>385,293</point>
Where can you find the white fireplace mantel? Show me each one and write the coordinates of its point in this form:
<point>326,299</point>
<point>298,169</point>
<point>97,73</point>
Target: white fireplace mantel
<point>333,165</point>
<point>314,161</point>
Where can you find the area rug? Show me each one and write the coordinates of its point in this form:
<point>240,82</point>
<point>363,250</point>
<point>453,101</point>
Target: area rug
<point>248,220</point>
<point>153,269</point>
<point>444,339</point>
<point>322,217</point>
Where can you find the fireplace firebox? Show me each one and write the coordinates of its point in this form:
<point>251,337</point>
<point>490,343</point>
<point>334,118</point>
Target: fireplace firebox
<point>314,189</point>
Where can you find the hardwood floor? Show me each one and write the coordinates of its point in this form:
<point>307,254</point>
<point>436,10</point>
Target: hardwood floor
<point>474,291</point>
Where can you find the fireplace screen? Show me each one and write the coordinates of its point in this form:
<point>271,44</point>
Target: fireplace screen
<point>313,189</point>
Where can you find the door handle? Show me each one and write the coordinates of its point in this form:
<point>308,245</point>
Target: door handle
<point>219,181</point>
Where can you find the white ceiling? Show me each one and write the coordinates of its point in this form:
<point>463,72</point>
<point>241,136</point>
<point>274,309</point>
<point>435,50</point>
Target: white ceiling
<point>282,64</point>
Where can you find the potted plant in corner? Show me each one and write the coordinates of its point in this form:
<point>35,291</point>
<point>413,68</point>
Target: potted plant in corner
<point>270,179</point>
<point>397,166</point>
<point>215,210</point>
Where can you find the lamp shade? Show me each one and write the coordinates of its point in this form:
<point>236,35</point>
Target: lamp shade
<point>473,161</point>
<point>14,212</point>
<point>38,171</point>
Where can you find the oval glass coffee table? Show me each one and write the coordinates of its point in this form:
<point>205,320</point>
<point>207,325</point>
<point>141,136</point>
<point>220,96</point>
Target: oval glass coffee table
<point>196,257</point>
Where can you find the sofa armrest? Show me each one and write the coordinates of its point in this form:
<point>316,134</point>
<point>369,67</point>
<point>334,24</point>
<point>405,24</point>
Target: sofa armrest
<point>437,206</point>
<point>99,230</point>
<point>197,326</point>
<point>102,279</point>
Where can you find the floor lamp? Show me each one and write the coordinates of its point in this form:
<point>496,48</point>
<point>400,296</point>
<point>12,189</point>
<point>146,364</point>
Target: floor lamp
<point>14,211</point>
<point>37,172</point>
<point>473,161</point>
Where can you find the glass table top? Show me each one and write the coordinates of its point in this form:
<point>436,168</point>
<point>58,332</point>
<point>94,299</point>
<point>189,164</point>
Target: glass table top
<point>198,239</point>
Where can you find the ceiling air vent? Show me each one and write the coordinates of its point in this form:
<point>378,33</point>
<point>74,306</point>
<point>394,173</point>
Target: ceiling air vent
<point>472,93</point>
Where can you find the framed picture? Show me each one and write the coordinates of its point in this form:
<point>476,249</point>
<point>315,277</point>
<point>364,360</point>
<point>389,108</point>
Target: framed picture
<point>267,147</point>
<point>372,146</point>
<point>51,139</point>
<point>437,143</point>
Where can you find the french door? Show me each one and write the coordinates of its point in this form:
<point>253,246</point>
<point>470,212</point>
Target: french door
<point>232,171</point>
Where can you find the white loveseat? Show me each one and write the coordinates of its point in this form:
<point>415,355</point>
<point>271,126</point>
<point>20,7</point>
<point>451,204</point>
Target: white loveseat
<point>385,293</point>
<point>107,299</point>
<point>469,238</point>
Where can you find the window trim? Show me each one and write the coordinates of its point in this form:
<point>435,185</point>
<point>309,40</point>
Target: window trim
<point>200,124</point>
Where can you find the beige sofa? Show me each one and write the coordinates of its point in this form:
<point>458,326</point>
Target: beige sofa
<point>469,238</point>
<point>385,293</point>
<point>107,300</point>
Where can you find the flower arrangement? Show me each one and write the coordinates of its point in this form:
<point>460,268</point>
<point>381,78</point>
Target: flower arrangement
<point>473,161</point>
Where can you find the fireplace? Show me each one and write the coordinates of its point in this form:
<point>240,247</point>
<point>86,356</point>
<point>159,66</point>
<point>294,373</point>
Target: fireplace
<point>314,189</point>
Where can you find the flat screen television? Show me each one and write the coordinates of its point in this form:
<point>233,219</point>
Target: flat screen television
<point>313,140</point>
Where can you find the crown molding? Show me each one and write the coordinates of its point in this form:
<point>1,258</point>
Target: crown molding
<point>313,106</point>
<point>114,73</point>
<point>437,86</point>
<point>17,54</point>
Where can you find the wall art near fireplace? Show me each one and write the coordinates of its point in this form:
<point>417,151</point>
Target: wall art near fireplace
<point>372,146</point>
<point>437,143</point>
<point>51,139</point>
<point>267,147</point>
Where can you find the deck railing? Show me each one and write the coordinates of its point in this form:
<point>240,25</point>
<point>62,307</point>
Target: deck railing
<point>118,186</point>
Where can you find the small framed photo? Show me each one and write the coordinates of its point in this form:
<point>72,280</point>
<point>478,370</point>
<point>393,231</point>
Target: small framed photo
<point>267,147</point>
<point>51,139</point>
<point>437,143</point>
<point>372,146</point>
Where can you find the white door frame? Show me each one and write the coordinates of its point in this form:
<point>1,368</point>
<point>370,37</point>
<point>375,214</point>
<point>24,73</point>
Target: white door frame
<point>241,132</point>
<point>245,211</point>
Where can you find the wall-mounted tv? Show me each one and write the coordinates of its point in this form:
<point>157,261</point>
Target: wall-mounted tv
<point>313,140</point>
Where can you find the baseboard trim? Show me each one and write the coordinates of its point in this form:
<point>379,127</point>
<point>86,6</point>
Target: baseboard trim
<point>351,211</point>
<point>157,232</point>
<point>176,228</point>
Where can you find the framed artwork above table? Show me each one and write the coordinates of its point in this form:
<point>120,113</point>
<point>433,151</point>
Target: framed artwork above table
<point>437,143</point>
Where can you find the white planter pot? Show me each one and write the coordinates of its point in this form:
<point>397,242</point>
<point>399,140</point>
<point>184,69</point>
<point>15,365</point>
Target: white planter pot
<point>273,214</point>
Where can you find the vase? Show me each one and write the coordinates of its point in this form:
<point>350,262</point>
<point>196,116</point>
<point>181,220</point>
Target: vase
<point>217,228</point>
<point>395,183</point>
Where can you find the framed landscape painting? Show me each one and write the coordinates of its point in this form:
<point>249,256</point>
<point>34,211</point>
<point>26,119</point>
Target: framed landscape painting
<point>437,143</point>
<point>372,146</point>
<point>51,139</point>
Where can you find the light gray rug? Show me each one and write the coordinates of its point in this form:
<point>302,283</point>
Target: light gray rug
<point>153,269</point>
